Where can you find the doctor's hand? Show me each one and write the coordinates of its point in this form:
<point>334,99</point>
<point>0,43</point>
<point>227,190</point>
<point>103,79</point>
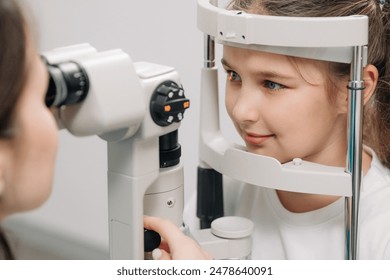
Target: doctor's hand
<point>175,245</point>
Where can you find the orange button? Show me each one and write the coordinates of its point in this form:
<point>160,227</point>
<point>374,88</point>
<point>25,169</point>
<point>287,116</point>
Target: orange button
<point>167,108</point>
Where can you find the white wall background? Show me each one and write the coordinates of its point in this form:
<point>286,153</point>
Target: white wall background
<point>158,31</point>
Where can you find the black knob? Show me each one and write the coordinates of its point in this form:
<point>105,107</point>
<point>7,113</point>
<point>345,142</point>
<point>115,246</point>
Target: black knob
<point>168,104</point>
<point>151,240</point>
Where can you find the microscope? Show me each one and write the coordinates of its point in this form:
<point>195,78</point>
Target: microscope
<point>137,108</point>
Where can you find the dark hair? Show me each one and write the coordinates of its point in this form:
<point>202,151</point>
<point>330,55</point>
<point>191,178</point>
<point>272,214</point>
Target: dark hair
<point>12,75</point>
<point>377,111</point>
<point>5,249</point>
<point>12,60</point>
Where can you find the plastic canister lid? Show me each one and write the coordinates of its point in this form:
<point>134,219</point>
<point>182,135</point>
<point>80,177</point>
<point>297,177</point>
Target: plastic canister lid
<point>232,227</point>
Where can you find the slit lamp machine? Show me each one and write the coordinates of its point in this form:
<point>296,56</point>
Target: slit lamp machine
<point>137,107</point>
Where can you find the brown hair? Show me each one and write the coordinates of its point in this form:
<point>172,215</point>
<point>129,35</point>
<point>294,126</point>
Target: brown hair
<point>12,74</point>
<point>377,110</point>
<point>12,60</point>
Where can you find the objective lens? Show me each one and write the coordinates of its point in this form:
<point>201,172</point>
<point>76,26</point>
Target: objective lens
<point>68,84</point>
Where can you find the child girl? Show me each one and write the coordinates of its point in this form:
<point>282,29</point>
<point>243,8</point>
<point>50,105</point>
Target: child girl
<point>287,108</point>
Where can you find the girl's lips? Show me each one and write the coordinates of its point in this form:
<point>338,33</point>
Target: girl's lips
<point>256,139</point>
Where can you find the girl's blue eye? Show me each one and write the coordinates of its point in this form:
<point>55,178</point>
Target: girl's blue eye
<point>272,85</point>
<point>233,76</point>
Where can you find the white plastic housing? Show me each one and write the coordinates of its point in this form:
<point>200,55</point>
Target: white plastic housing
<point>62,54</point>
<point>136,183</point>
<point>322,38</point>
<point>115,100</point>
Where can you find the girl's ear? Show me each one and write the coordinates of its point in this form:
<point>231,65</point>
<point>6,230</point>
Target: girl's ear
<point>370,77</point>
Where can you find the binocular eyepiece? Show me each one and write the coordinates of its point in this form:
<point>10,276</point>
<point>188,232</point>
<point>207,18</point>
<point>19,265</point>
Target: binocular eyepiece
<point>68,84</point>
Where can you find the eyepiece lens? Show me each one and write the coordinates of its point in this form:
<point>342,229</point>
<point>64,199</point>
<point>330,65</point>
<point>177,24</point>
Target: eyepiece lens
<point>68,84</point>
<point>51,93</point>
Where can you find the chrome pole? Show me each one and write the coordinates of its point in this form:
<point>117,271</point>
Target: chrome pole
<point>354,151</point>
<point>209,51</point>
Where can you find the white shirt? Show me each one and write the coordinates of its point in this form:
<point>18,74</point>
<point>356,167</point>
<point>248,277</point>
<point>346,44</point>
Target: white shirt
<point>319,234</point>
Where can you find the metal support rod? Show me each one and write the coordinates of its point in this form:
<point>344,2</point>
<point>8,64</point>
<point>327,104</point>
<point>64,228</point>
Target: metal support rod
<point>208,63</point>
<point>209,51</point>
<point>354,152</point>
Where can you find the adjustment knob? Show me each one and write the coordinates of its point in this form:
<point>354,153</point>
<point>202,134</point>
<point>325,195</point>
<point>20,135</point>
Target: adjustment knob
<point>168,104</point>
<point>151,240</point>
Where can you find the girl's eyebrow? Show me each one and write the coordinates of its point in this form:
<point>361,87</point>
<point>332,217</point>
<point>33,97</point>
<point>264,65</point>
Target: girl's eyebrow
<point>225,63</point>
<point>265,74</point>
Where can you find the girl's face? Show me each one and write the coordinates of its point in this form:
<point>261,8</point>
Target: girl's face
<point>31,153</point>
<point>282,109</point>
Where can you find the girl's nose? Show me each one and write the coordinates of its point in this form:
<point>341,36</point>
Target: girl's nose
<point>247,108</point>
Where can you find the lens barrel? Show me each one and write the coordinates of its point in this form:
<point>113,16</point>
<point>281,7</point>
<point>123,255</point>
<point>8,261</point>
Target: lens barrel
<point>68,84</point>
